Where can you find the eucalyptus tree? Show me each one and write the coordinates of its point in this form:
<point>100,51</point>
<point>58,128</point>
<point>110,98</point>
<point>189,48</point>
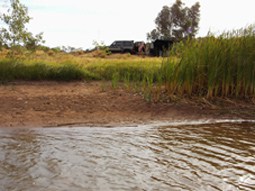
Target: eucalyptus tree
<point>176,22</point>
<point>13,31</point>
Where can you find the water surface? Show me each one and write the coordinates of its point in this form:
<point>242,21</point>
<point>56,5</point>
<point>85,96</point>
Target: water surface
<point>178,157</point>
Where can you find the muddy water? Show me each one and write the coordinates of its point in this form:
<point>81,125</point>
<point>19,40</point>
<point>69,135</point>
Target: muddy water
<point>188,157</point>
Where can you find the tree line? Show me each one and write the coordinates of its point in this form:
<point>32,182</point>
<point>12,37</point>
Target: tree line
<point>177,22</point>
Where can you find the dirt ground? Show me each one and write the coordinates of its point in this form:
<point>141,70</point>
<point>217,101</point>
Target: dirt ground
<point>54,104</point>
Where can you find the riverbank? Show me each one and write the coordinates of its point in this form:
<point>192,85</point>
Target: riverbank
<point>54,104</point>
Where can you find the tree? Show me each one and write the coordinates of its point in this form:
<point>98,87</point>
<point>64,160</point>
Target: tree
<point>176,22</point>
<point>14,32</point>
<point>153,35</point>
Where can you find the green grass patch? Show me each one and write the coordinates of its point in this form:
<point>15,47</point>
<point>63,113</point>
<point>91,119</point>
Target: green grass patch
<point>20,70</point>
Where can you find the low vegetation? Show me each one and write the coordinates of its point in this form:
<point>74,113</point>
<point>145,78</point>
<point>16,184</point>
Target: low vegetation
<point>50,65</point>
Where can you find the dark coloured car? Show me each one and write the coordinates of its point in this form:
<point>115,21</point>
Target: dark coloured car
<point>122,46</point>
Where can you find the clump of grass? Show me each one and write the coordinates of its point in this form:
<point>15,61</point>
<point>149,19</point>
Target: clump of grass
<point>115,79</point>
<point>125,71</point>
<point>221,66</point>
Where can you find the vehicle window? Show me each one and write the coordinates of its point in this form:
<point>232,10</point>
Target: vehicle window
<point>127,43</point>
<point>113,44</point>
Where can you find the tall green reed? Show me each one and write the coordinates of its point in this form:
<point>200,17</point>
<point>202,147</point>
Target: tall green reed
<point>222,66</point>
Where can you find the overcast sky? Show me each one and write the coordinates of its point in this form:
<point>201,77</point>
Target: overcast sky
<point>78,23</point>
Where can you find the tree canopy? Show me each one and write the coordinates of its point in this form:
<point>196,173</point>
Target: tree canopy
<point>176,22</point>
<point>13,31</point>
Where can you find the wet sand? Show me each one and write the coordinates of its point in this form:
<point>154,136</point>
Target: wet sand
<point>54,104</point>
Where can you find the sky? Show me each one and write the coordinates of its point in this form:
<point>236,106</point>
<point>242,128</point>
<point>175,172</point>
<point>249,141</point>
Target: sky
<point>78,23</point>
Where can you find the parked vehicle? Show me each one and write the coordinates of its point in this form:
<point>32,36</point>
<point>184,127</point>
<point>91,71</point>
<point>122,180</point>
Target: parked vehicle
<point>122,46</point>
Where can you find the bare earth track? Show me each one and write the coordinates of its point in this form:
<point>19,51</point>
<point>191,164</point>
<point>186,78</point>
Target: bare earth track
<point>52,104</point>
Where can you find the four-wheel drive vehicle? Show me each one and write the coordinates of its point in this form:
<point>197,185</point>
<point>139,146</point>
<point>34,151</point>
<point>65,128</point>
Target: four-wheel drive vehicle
<point>122,46</point>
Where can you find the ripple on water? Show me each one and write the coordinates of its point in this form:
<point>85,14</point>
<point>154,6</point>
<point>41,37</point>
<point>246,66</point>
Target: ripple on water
<point>199,156</point>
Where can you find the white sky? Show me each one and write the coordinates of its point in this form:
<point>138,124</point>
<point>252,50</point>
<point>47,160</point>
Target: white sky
<point>78,23</point>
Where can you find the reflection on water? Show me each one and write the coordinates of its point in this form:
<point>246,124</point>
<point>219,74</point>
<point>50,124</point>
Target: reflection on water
<point>189,157</point>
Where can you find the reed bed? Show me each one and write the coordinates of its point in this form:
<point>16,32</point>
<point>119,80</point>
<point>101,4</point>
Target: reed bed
<point>221,66</point>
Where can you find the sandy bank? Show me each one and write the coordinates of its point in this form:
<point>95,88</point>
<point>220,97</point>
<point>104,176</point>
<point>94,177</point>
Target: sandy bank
<point>48,104</point>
